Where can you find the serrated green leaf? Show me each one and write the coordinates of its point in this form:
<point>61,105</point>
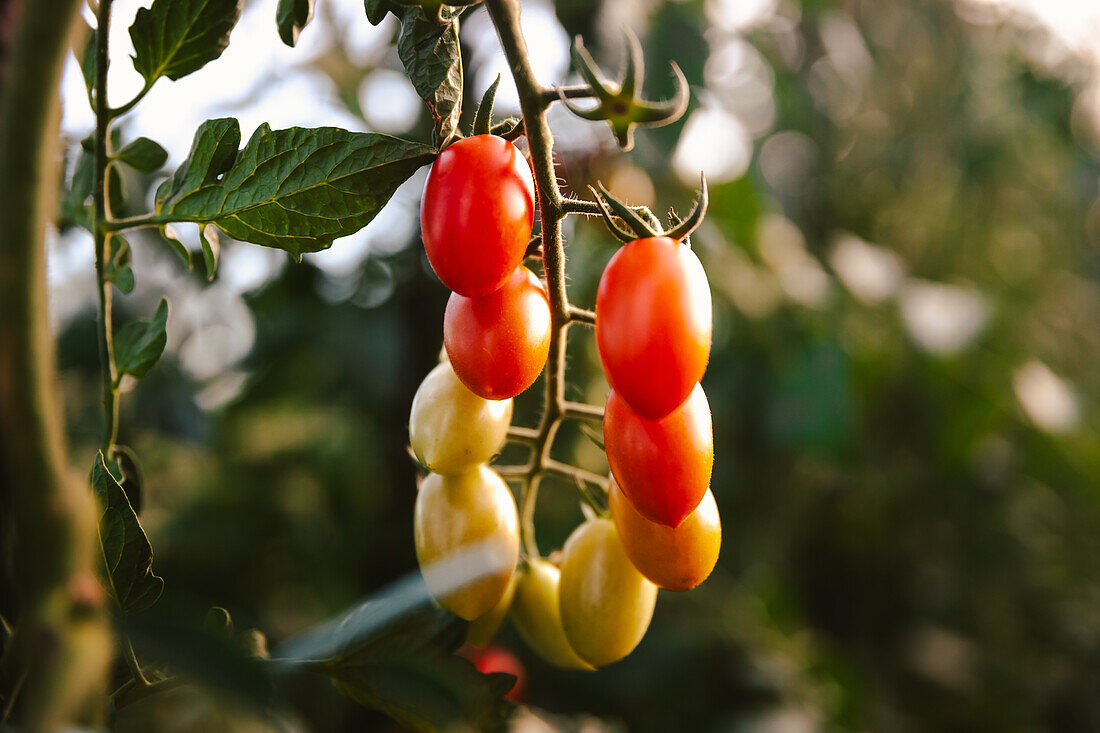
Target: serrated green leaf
<point>140,343</point>
<point>143,155</point>
<point>295,190</point>
<point>125,550</point>
<point>410,676</point>
<point>119,270</point>
<point>213,152</point>
<point>211,246</point>
<point>432,59</point>
<point>291,17</point>
<point>174,38</point>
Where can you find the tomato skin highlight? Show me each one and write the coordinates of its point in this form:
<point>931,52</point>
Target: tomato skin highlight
<point>498,343</point>
<point>606,604</point>
<point>663,466</point>
<point>653,324</point>
<point>677,558</point>
<point>476,213</point>
<point>457,513</point>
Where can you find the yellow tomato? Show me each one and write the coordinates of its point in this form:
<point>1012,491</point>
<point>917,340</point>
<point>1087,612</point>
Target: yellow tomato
<point>606,604</point>
<point>676,558</point>
<point>483,628</point>
<point>467,539</point>
<point>537,617</point>
<point>451,429</point>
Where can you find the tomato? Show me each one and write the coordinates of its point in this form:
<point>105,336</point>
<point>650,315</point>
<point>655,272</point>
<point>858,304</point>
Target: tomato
<point>469,519</point>
<point>451,429</point>
<point>477,213</point>
<point>673,558</point>
<point>653,324</point>
<point>483,628</point>
<point>537,617</point>
<point>496,658</point>
<point>663,466</point>
<point>606,604</point>
<point>498,343</point>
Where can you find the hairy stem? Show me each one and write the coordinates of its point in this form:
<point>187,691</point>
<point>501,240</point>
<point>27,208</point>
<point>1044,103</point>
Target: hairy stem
<point>99,232</point>
<point>534,101</point>
<point>60,648</point>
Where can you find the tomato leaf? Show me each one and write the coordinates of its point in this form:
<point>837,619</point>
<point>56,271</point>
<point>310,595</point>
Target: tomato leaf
<point>377,9</point>
<point>125,550</point>
<point>432,59</point>
<point>143,155</point>
<point>140,343</point>
<point>174,38</point>
<point>74,203</point>
<point>118,269</point>
<point>410,674</point>
<point>86,57</point>
<point>295,190</point>
<point>291,17</point>
<point>211,246</point>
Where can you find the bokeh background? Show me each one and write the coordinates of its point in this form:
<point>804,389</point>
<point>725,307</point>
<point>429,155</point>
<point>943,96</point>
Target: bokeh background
<point>903,249</point>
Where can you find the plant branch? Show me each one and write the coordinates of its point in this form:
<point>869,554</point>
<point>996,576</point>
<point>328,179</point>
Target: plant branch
<point>534,101</point>
<point>60,648</point>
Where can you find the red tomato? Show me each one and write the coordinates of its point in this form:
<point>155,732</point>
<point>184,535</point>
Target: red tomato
<point>495,658</point>
<point>477,212</point>
<point>653,322</point>
<point>498,343</point>
<point>663,466</point>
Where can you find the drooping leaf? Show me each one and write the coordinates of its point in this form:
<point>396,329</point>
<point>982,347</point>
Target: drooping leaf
<point>118,269</point>
<point>74,204</point>
<point>211,246</point>
<point>377,9</point>
<point>86,57</point>
<point>116,192</point>
<point>143,154</point>
<point>172,237</point>
<point>430,53</point>
<point>291,17</point>
<point>174,38</point>
<point>140,343</point>
<point>126,552</point>
<point>410,674</point>
<point>296,190</point>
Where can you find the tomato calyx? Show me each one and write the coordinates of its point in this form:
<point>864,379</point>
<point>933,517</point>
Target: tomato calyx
<point>613,210</point>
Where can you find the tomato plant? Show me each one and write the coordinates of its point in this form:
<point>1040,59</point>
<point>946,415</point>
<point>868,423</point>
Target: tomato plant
<point>498,343</point>
<point>537,614</point>
<point>663,466</point>
<point>653,322</point>
<point>476,213</point>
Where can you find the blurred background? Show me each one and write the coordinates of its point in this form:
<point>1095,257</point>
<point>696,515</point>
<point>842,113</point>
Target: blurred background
<point>903,248</point>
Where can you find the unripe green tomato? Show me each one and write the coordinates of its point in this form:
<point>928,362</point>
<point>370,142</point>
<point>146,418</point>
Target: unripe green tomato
<point>472,515</point>
<point>606,604</point>
<point>537,616</point>
<point>451,429</point>
<point>483,628</point>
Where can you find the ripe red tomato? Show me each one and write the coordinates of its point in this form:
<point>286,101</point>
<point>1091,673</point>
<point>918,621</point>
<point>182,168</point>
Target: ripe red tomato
<point>477,213</point>
<point>496,658</point>
<point>498,343</point>
<point>653,324</point>
<point>663,466</point>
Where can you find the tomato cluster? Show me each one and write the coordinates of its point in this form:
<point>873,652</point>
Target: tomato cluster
<point>590,605</point>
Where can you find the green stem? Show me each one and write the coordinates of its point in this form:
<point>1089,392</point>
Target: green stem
<point>100,235</point>
<point>534,101</point>
<point>60,648</point>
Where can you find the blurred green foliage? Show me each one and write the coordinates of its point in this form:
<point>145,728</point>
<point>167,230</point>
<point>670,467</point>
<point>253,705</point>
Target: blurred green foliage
<point>904,550</point>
